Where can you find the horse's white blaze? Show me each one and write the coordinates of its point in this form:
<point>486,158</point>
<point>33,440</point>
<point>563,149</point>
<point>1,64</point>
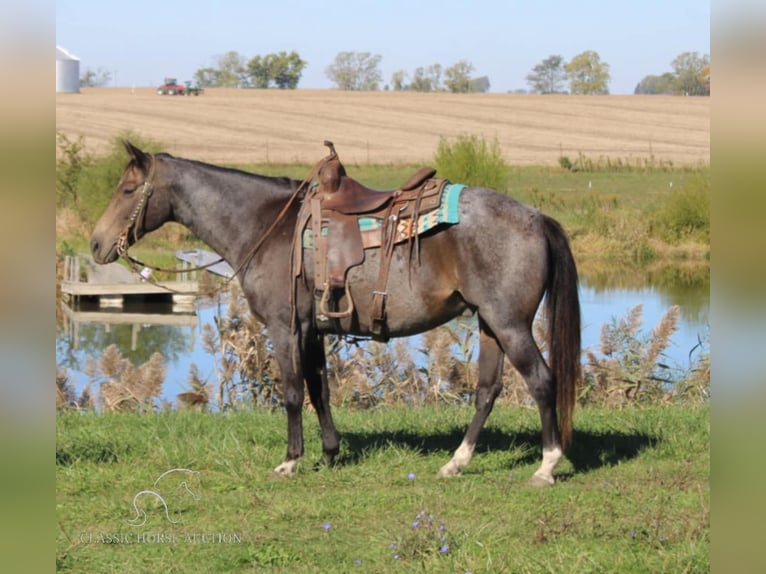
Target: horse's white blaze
<point>551,458</point>
<point>459,461</point>
<point>287,468</point>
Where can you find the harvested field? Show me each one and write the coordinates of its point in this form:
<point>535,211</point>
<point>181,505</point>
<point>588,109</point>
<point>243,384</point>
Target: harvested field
<point>260,126</point>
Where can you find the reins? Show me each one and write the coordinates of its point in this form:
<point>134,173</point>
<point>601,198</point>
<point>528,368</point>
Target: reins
<point>144,269</point>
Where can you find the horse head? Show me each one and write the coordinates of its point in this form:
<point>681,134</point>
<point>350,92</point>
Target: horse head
<point>139,205</point>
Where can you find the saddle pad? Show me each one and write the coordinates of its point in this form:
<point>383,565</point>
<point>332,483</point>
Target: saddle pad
<point>447,212</point>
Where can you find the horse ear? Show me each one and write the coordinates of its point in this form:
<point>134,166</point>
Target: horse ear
<point>139,157</point>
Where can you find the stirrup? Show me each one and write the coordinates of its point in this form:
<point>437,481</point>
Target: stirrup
<point>335,314</point>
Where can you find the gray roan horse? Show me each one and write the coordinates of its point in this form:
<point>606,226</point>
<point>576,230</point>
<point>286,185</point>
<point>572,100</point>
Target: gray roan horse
<point>498,261</point>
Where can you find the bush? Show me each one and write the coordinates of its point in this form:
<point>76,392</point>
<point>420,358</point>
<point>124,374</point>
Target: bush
<point>687,212</point>
<point>71,160</point>
<point>472,161</point>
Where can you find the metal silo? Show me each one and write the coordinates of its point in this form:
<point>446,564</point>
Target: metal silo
<point>67,71</point>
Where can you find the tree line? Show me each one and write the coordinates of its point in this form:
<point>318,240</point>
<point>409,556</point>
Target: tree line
<point>690,77</point>
<point>585,73</point>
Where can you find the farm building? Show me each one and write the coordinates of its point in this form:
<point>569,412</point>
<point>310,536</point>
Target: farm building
<point>67,71</point>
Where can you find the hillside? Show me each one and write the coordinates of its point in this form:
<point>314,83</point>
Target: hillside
<point>256,126</point>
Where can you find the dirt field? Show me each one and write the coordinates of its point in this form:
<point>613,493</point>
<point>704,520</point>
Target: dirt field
<point>255,126</point>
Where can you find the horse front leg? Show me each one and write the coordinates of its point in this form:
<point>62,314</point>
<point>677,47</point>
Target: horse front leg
<point>293,380</point>
<point>315,368</point>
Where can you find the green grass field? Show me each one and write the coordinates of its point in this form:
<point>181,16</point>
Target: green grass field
<point>633,494</point>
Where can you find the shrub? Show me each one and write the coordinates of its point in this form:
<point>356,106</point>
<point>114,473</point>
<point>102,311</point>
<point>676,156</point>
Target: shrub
<point>470,160</point>
<point>687,212</point>
<point>71,160</point>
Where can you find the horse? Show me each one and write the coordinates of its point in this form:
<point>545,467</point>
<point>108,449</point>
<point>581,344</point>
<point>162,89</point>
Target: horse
<point>498,262</point>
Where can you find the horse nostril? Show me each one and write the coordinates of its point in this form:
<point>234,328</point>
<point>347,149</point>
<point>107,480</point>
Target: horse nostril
<point>94,246</point>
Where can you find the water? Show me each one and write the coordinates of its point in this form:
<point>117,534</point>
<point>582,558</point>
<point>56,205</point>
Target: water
<point>181,343</point>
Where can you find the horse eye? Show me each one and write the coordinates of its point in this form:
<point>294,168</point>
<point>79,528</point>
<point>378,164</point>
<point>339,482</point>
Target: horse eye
<point>128,190</point>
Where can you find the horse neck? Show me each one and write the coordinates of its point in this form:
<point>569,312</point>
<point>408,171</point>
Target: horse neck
<point>227,209</point>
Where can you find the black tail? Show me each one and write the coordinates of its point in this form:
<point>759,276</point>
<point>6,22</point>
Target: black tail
<point>563,310</point>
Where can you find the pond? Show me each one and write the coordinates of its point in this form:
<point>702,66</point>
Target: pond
<point>142,328</point>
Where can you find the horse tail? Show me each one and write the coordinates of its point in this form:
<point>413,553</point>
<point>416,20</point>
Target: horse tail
<point>562,305</point>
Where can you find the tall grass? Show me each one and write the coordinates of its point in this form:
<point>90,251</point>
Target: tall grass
<point>625,368</point>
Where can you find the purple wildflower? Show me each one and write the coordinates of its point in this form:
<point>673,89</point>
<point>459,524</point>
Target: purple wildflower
<point>358,562</point>
<point>444,549</point>
<point>396,557</point>
<point>326,526</point>
<point>411,476</point>
<point>415,524</point>
<point>392,546</point>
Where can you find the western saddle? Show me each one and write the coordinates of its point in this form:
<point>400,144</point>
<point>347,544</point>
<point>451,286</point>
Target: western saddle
<point>332,209</point>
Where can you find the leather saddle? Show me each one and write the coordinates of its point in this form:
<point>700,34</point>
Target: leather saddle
<point>332,210</point>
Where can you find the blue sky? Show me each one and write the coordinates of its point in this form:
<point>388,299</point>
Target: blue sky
<point>139,42</point>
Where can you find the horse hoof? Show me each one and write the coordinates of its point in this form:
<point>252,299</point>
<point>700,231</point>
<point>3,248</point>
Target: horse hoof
<point>287,469</point>
<point>448,470</point>
<point>540,482</point>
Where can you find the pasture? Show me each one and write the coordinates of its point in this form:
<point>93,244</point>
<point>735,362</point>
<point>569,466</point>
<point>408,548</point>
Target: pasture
<point>632,496</point>
<point>288,126</point>
<point>633,493</point>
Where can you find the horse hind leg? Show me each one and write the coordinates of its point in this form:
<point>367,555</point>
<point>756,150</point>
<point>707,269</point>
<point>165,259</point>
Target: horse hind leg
<point>488,388</point>
<point>520,346</point>
<point>526,358</point>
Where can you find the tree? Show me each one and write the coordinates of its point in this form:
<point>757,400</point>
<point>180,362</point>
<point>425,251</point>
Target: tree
<point>283,69</point>
<point>398,80</point>
<point>480,84</point>
<point>258,69</point>
<point>97,79</point>
<point>355,71</point>
<point>286,69</point>
<point>690,71</point>
<point>231,70</point>
<point>588,74</point>
<point>206,77</point>
<point>458,77</point>
<point>664,84</point>
<point>548,76</point>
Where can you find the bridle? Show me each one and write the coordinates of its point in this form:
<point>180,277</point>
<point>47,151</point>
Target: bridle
<point>145,193</point>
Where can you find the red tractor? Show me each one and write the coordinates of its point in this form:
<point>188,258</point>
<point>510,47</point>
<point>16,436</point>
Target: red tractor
<point>171,88</point>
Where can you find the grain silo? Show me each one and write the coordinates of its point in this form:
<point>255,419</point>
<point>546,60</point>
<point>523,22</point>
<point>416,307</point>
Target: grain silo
<point>67,71</point>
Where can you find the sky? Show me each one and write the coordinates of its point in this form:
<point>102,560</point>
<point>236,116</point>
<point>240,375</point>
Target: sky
<point>141,41</point>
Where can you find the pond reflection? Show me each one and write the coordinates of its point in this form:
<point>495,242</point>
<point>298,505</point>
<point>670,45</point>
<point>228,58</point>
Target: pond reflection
<point>140,329</point>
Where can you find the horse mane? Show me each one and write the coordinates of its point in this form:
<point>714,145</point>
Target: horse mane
<point>288,182</point>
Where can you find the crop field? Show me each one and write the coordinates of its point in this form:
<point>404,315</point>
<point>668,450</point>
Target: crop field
<point>263,126</point>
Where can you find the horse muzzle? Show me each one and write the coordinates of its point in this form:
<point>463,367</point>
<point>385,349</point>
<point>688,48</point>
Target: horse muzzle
<point>103,253</point>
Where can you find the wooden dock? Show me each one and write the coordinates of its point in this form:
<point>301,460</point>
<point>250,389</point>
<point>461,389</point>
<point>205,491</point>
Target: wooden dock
<point>111,283</point>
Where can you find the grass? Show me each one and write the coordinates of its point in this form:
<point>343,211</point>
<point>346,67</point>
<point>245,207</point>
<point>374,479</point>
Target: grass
<point>633,495</point>
<point>629,214</point>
